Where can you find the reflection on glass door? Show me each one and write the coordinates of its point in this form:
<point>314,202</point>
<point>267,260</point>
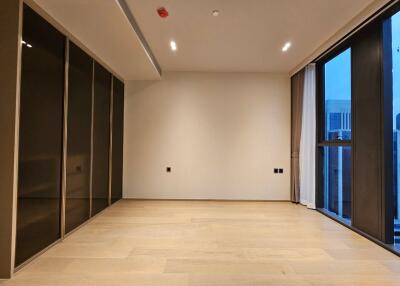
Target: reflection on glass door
<point>101,138</point>
<point>77,205</point>
<point>40,145</point>
<point>118,140</point>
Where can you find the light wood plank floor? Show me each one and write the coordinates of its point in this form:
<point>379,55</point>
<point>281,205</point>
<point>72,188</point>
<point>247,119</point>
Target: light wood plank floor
<point>184,243</point>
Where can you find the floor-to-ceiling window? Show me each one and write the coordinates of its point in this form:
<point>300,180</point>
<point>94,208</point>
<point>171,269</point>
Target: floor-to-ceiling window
<point>336,135</point>
<point>392,60</point>
<point>359,130</point>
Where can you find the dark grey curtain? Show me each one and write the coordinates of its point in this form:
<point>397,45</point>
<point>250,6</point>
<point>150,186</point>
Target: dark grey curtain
<point>297,90</point>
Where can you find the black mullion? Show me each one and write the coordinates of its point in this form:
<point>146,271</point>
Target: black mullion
<point>319,179</point>
<point>335,143</point>
<point>387,131</point>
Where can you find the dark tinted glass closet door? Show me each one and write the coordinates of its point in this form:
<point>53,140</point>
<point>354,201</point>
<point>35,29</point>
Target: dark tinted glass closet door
<point>80,78</point>
<point>101,138</point>
<point>117,140</point>
<point>40,146</point>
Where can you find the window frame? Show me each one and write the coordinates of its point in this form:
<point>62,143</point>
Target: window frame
<point>321,126</point>
<point>320,130</point>
<point>347,41</point>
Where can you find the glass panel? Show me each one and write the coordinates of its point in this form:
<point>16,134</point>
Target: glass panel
<point>40,146</point>
<point>396,121</point>
<point>101,138</point>
<point>77,207</point>
<point>392,62</point>
<point>338,97</point>
<point>337,180</point>
<point>118,138</point>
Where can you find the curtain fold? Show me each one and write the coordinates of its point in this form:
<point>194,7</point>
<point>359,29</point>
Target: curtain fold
<point>308,139</point>
<point>297,90</point>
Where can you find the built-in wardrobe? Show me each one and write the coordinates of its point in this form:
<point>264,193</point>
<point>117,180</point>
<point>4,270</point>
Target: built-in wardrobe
<point>70,138</point>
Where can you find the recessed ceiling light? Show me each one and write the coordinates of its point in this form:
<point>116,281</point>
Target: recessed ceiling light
<point>286,47</point>
<point>215,13</point>
<point>173,45</point>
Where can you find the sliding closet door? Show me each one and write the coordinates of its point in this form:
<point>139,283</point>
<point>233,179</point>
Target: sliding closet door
<point>40,146</point>
<point>117,139</point>
<point>80,76</point>
<point>101,138</point>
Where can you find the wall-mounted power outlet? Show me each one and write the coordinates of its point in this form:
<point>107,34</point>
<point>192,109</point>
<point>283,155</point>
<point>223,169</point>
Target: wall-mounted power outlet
<point>278,170</point>
<point>169,169</point>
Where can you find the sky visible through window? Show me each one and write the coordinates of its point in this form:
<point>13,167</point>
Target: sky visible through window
<point>338,77</point>
<point>396,132</point>
<point>338,97</point>
<point>337,160</point>
<point>338,72</point>
<point>396,66</point>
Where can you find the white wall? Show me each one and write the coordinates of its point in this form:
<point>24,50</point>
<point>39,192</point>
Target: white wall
<point>222,134</point>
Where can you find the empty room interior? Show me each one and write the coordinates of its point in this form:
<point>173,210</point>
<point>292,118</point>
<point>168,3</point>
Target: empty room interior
<point>200,142</point>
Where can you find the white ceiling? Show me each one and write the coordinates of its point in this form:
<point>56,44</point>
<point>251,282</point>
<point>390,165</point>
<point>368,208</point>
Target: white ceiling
<point>247,36</point>
<point>103,28</point>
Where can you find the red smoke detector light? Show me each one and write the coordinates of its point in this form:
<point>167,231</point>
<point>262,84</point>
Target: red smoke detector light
<point>162,12</point>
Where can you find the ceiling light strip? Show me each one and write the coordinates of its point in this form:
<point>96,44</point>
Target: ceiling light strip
<point>128,13</point>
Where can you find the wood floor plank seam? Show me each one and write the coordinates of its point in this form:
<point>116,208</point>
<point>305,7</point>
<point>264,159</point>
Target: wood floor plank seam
<point>211,243</point>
